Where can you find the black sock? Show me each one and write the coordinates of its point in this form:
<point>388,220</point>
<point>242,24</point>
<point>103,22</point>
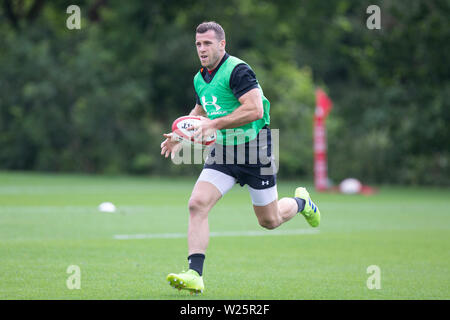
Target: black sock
<point>301,204</point>
<point>196,262</point>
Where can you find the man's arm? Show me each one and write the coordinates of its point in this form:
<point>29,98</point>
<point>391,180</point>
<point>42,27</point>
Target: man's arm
<point>251,109</point>
<point>198,111</point>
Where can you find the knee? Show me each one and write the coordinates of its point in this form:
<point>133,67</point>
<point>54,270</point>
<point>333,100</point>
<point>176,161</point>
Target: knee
<point>197,205</point>
<point>269,223</point>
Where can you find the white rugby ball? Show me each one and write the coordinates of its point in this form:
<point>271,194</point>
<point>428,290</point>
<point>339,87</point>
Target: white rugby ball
<point>180,131</point>
<point>107,207</point>
<point>350,186</point>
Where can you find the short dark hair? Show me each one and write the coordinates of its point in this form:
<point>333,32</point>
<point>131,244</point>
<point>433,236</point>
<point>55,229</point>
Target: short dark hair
<point>211,25</point>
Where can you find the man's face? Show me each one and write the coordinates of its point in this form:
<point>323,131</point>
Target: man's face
<point>209,48</point>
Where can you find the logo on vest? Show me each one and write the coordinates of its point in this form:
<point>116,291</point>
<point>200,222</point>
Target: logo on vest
<point>213,103</point>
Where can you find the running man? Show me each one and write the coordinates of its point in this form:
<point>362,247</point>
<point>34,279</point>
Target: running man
<point>228,96</point>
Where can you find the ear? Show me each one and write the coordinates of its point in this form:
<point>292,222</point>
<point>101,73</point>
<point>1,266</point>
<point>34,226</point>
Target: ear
<point>222,43</point>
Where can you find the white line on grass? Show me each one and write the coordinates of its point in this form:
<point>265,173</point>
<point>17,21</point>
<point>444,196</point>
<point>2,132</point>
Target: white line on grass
<point>217,234</point>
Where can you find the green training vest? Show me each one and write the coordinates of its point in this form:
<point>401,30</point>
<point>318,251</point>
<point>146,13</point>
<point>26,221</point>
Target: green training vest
<point>218,101</point>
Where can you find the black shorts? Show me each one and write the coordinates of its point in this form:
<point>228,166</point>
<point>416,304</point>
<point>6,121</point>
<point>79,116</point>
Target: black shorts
<point>251,163</point>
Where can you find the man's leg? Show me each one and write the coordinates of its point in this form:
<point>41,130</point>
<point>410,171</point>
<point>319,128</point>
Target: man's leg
<point>204,196</point>
<point>272,212</point>
<point>210,187</point>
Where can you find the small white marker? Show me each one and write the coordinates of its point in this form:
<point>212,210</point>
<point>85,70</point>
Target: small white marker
<point>107,207</point>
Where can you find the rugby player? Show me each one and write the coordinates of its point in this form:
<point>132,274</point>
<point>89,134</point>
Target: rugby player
<point>232,103</point>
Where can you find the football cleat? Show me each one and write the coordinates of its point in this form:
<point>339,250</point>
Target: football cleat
<point>310,211</point>
<point>187,280</point>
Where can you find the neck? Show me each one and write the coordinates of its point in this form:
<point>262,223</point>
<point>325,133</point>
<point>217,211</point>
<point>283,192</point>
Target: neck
<point>217,62</point>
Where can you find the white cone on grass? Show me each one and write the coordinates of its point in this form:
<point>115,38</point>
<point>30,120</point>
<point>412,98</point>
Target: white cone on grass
<point>107,207</point>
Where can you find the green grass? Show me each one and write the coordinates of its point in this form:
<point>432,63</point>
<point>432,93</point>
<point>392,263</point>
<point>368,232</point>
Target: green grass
<point>48,222</point>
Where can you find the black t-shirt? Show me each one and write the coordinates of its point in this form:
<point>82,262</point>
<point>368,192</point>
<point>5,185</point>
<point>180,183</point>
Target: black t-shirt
<point>242,78</point>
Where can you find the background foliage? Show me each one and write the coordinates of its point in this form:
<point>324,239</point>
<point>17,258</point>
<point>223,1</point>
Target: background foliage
<point>97,100</point>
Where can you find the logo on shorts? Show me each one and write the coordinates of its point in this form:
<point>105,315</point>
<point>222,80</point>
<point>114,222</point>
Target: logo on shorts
<point>265,183</point>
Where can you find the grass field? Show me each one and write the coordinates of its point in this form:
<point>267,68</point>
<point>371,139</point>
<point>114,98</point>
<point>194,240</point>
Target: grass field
<point>49,222</point>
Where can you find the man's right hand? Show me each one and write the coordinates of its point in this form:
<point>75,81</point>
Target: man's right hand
<point>170,145</point>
